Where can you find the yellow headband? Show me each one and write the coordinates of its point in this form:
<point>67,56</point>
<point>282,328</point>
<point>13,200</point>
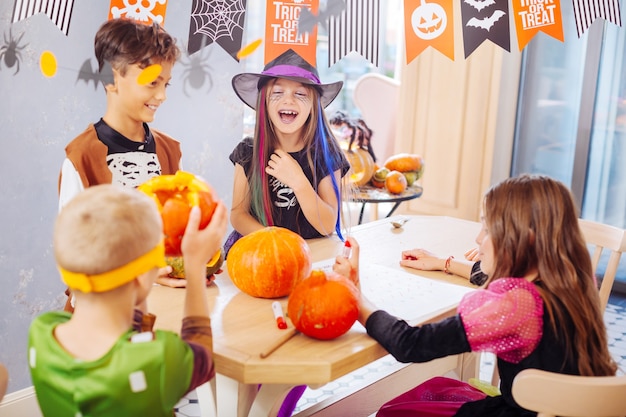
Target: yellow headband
<point>117,277</point>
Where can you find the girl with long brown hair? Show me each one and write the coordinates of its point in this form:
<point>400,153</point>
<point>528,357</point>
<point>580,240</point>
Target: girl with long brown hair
<point>540,307</point>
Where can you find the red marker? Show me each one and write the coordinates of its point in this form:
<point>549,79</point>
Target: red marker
<point>346,249</point>
<point>278,315</point>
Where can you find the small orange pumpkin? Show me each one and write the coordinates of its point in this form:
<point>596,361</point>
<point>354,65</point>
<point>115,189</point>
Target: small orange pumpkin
<point>268,263</point>
<point>396,182</point>
<point>324,306</point>
<point>175,195</point>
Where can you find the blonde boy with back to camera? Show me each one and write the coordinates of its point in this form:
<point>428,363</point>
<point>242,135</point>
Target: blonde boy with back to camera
<point>108,245</point>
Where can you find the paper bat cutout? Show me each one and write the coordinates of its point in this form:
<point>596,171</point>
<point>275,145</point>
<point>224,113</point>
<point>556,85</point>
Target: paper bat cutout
<point>480,4</point>
<point>308,20</point>
<point>487,22</point>
<point>87,73</point>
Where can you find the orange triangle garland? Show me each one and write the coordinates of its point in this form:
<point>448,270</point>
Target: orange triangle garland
<point>532,16</point>
<point>428,24</point>
<point>281,30</point>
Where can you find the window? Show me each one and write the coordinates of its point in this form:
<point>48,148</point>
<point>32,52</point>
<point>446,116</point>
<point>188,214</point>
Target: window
<point>571,121</point>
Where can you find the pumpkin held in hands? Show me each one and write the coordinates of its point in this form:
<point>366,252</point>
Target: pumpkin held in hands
<point>324,305</point>
<point>268,263</point>
<point>175,195</point>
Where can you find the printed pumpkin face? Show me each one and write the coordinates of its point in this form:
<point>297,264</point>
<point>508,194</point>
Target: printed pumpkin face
<point>429,20</point>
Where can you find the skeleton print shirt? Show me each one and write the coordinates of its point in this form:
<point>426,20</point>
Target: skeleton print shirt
<point>101,155</point>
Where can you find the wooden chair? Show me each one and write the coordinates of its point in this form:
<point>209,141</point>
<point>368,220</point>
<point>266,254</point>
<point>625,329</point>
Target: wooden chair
<point>603,236</point>
<point>552,394</point>
<point>377,97</point>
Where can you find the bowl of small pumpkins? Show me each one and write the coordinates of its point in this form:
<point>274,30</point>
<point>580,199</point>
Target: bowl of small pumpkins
<point>399,172</point>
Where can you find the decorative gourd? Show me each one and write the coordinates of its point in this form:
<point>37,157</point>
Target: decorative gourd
<point>378,179</point>
<point>405,162</point>
<point>324,306</point>
<point>178,265</point>
<point>268,263</point>
<point>175,195</point>
<point>396,182</point>
<point>362,166</point>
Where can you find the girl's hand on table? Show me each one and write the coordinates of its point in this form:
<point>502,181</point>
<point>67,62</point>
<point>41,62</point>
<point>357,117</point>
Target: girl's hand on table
<point>422,259</point>
<point>472,255</point>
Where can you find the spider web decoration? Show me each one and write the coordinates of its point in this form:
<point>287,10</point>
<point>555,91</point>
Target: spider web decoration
<point>219,21</point>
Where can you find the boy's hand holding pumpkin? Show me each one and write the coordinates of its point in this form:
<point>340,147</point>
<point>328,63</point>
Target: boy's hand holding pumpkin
<point>200,245</point>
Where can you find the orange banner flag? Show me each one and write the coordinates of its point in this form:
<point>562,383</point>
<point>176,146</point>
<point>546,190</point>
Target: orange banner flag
<point>532,16</point>
<point>281,29</point>
<point>428,24</point>
<point>152,11</point>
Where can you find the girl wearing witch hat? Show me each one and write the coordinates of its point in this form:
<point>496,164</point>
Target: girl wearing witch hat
<point>289,174</point>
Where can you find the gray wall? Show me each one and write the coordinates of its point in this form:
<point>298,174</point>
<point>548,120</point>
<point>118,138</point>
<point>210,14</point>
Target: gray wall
<point>39,115</point>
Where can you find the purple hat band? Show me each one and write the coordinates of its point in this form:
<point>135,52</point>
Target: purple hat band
<point>291,71</point>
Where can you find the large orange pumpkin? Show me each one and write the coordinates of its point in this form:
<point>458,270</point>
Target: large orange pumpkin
<point>268,263</point>
<point>362,166</point>
<point>324,306</point>
<point>175,195</point>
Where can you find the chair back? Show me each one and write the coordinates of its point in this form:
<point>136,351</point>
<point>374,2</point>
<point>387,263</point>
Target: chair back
<point>377,98</point>
<point>552,394</point>
<point>601,237</point>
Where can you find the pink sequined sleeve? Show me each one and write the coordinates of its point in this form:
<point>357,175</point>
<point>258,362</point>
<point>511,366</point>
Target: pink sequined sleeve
<point>505,318</point>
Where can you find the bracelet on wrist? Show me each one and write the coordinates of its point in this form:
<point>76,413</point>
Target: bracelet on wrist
<point>446,267</point>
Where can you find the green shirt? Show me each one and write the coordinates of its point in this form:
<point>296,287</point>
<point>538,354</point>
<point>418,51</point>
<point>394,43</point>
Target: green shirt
<point>144,374</point>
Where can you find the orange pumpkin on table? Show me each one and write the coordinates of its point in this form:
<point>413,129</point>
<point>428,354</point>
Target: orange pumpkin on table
<point>268,263</point>
<point>396,182</point>
<point>175,195</point>
<point>324,305</point>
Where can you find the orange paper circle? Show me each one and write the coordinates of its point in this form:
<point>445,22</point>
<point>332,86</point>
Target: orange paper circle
<point>248,49</point>
<point>149,74</point>
<point>48,64</point>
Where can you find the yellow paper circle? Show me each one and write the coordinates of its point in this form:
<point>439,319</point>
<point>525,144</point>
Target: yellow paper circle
<point>149,74</point>
<point>48,64</point>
